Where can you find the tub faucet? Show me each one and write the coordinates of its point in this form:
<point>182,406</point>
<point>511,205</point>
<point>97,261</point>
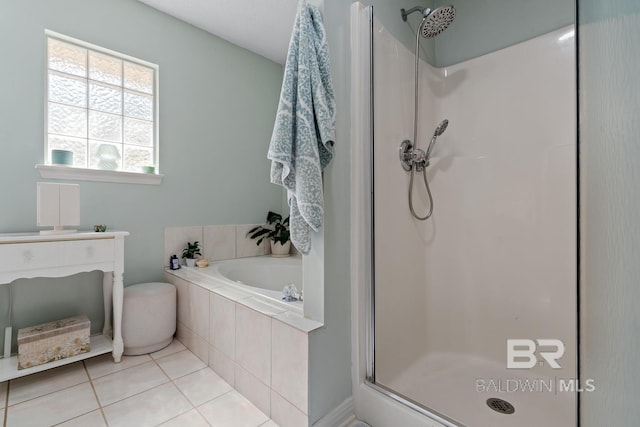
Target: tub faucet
<point>290,293</point>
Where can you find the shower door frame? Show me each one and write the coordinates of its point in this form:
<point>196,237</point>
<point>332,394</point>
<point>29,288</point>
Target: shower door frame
<point>365,137</point>
<point>370,284</point>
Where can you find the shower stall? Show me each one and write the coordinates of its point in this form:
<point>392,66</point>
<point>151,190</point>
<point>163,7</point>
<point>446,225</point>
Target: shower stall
<point>465,222</point>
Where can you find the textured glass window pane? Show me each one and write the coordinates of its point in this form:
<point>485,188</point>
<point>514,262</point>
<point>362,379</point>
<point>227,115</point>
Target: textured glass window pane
<point>105,126</point>
<point>135,157</point>
<point>95,101</point>
<point>67,58</point>
<point>67,90</point>
<point>138,132</point>
<point>138,106</point>
<point>103,155</point>
<point>105,98</point>
<point>66,120</point>
<point>77,145</point>
<point>138,77</point>
<point>105,68</point>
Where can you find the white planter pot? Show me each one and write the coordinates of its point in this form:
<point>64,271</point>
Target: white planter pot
<point>191,262</point>
<point>278,250</point>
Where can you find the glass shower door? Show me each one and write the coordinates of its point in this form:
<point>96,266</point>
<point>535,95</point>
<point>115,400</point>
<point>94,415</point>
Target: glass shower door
<point>497,259</point>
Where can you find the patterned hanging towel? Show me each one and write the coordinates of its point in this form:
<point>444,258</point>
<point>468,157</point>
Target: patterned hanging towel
<point>302,142</point>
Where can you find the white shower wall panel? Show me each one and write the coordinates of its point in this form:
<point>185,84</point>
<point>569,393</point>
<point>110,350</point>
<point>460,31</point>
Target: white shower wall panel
<point>498,258</point>
<point>512,151</point>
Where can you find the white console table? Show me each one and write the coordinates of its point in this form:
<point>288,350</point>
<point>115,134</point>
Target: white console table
<point>29,255</point>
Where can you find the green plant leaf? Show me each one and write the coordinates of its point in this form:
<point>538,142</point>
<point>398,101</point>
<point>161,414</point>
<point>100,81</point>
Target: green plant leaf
<point>279,233</point>
<point>191,250</point>
<point>273,217</point>
<point>261,232</point>
<point>253,230</point>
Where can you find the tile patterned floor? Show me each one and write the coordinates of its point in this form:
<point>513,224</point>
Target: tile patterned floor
<point>171,387</point>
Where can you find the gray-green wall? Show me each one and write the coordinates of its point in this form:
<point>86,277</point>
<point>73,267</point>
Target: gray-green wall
<point>330,347</point>
<point>480,27</point>
<point>609,60</point>
<point>217,106</point>
<point>388,13</point>
<point>483,26</point>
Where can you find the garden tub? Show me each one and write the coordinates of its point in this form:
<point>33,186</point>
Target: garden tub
<point>263,276</point>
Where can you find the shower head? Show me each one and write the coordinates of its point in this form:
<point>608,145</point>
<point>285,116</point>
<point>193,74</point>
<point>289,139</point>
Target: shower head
<point>441,127</point>
<point>439,131</point>
<point>436,21</point>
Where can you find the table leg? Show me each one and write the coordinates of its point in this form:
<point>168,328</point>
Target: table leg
<point>107,291</point>
<point>118,293</point>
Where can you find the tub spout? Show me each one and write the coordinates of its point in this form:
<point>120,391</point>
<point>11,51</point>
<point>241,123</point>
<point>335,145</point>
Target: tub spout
<point>290,293</point>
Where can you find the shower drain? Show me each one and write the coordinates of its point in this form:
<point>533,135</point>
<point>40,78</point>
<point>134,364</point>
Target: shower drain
<point>500,405</point>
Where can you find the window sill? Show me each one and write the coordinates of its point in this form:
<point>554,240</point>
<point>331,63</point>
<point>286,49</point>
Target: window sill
<point>81,174</point>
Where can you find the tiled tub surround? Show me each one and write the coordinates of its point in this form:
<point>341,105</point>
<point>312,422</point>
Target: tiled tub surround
<point>218,242</point>
<point>258,346</point>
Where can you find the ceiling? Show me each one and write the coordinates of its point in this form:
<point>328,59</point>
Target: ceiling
<point>261,26</point>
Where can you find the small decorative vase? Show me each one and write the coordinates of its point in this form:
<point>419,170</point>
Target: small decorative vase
<point>62,157</point>
<point>108,157</point>
<point>278,250</point>
<point>191,262</point>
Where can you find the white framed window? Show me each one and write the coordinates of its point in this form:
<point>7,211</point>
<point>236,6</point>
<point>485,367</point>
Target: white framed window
<point>102,106</point>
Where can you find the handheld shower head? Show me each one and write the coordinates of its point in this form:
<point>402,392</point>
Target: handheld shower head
<point>437,20</point>
<point>441,127</point>
<point>439,131</point>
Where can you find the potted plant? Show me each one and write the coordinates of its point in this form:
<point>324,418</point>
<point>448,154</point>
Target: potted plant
<point>189,253</point>
<point>277,232</point>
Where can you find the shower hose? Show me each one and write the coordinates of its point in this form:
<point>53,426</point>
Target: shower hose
<point>422,164</point>
<point>426,184</point>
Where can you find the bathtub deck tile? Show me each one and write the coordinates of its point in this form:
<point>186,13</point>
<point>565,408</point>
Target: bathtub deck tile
<point>298,321</point>
<point>232,293</point>
<point>199,276</point>
<point>207,283</point>
<point>263,306</point>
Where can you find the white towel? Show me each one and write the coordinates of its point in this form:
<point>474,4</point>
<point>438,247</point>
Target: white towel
<point>302,142</point>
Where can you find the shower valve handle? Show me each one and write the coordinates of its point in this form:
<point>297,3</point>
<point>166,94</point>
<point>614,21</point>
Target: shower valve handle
<point>410,157</point>
<point>405,153</point>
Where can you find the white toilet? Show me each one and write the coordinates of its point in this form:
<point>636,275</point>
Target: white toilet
<point>148,317</point>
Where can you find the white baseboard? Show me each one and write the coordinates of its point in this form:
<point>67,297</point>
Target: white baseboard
<point>341,416</point>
